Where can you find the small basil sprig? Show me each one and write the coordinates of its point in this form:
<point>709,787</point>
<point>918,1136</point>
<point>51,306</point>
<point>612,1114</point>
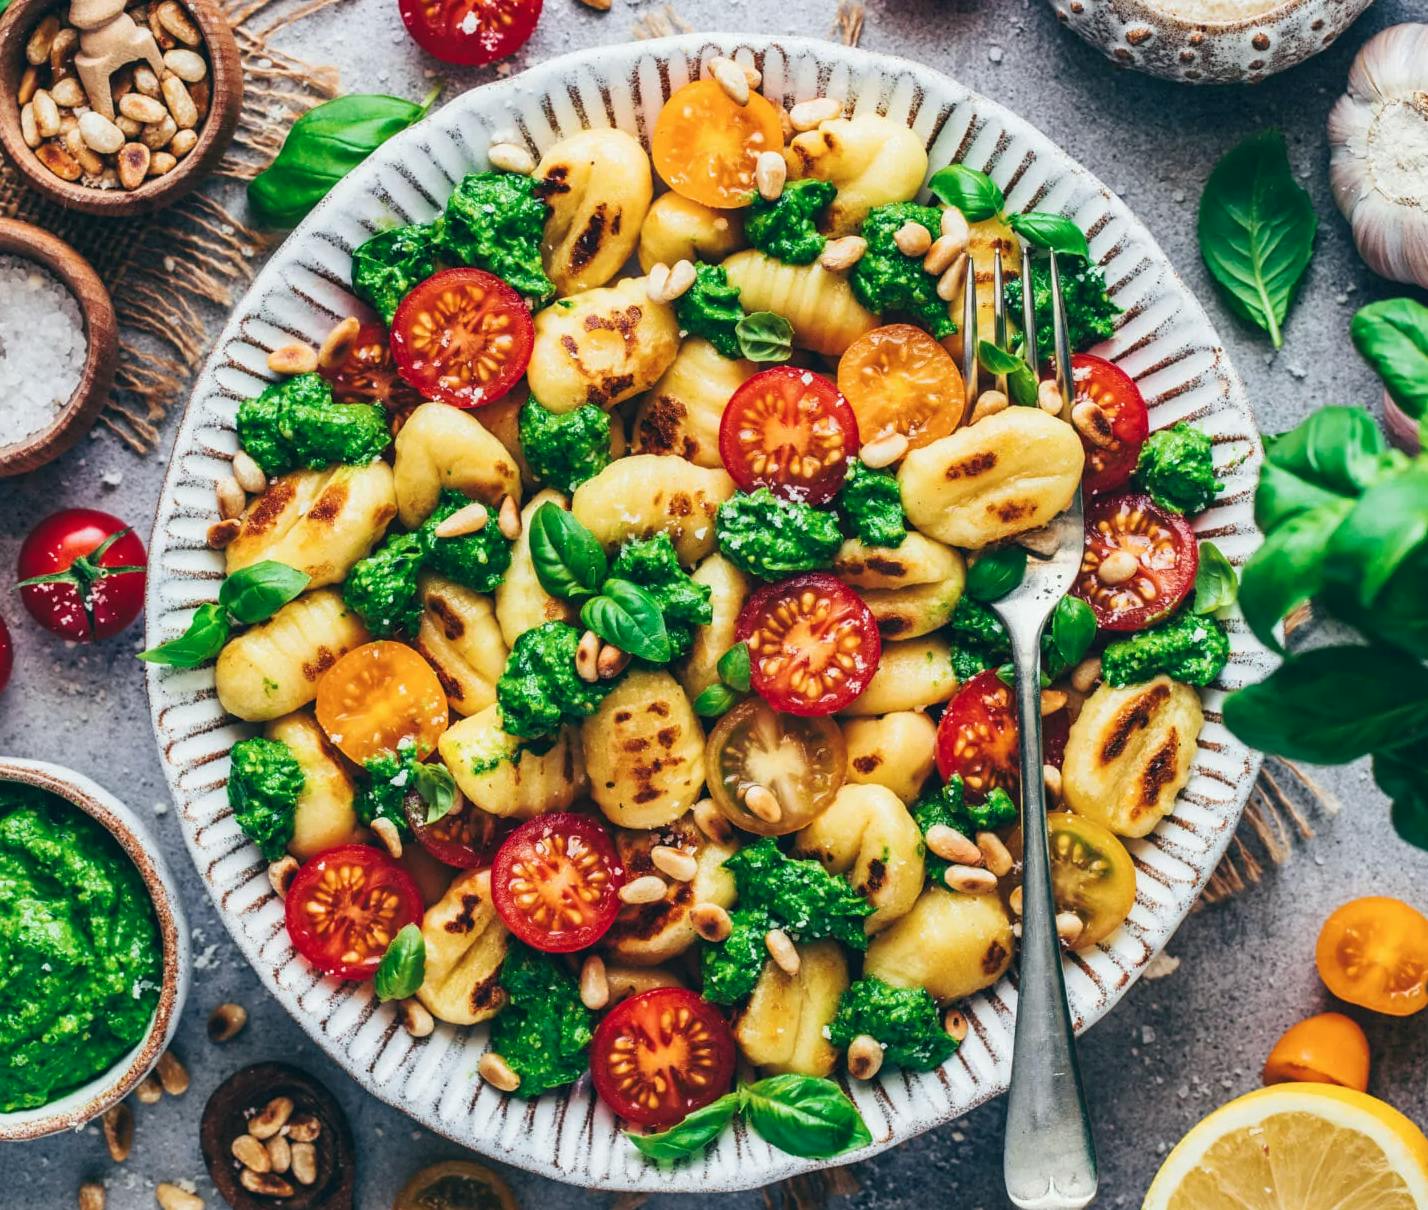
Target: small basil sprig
<point>250,595</point>
<point>1073,630</point>
<point>979,197</point>
<point>569,562</point>
<point>432,780</point>
<point>805,1116</point>
<point>731,687</point>
<point>1392,336</point>
<point>1052,231</point>
<point>996,573</point>
<point>403,967</point>
<point>764,336</point>
<point>629,617</point>
<point>1021,378</point>
<point>1216,585</point>
<point>323,146</point>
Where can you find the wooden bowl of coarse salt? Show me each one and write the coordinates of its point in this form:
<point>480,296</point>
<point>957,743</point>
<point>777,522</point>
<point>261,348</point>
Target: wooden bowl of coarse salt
<point>58,346</point>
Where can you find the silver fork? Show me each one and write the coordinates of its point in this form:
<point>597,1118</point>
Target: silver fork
<point>1049,1158</point>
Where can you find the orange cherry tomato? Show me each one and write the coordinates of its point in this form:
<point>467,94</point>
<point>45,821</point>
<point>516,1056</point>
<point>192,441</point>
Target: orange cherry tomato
<point>706,147</point>
<point>1326,1049</point>
<point>1373,952</point>
<point>897,379</point>
<point>378,695</point>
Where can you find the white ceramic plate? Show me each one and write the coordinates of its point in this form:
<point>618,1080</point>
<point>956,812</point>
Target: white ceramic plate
<point>1164,341</point>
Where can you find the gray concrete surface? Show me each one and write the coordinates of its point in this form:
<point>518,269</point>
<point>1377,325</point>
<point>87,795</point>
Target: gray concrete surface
<point>1177,1046</point>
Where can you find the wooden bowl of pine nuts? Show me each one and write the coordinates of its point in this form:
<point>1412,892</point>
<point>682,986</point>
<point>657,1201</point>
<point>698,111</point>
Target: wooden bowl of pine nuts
<point>174,106</point>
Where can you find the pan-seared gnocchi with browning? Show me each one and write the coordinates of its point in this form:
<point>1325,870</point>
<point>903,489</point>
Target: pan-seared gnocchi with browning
<point>636,562</point>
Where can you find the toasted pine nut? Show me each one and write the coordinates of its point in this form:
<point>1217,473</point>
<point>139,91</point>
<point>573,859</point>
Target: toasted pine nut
<point>712,822</point>
<point>865,1057</point>
<point>508,519</point>
<point>710,921</point>
<point>954,225</point>
<point>133,165</point>
<point>939,258</point>
<point>610,662</point>
<point>1048,397</point>
<point>166,135</point>
<point>1052,700</point>
<point>648,888</point>
<point>954,1021</point>
<point>146,82</point>
<point>415,1018</point>
<point>182,142</point>
<point>189,66</point>
<point>912,239</point>
<point>674,863</point>
<point>90,161</point>
<point>29,129</point>
<point>337,344</point>
<point>1090,420</point>
<point>731,78</point>
<point>37,49</point>
<point>173,1075</point>
<point>265,1184</point>
<point>884,451</point>
<point>950,845</point>
<point>99,133</point>
<point>281,874</point>
<point>511,157</point>
<point>1045,541</point>
<point>232,499</point>
<point>303,1127</point>
<point>386,831</point>
<point>55,158</point>
<point>305,1162</point>
<point>1085,675</point>
<point>949,285</point>
<point>47,114</point>
<point>1069,927</point>
<point>294,358</point>
<point>226,1022</point>
<point>989,403</point>
<point>760,801</point>
<point>1117,567</point>
<point>469,519</point>
<point>141,108</point>
<point>681,278</point>
<point>770,175</point>
<point>172,17</point>
<point>280,1153</point>
<point>1051,778</point>
<point>594,986</point>
<point>29,85</point>
<point>249,1152</point>
<point>249,474</point>
<point>149,1091</point>
<point>172,1197</point>
<point>91,1196</point>
<point>119,1131</point>
<point>809,115</point>
<point>970,880</point>
<point>1014,900</point>
<point>782,951</point>
<point>656,282</point>
<point>995,855</point>
<point>497,1072</point>
<point>220,533</point>
<point>180,102</point>
<point>68,94</point>
<point>587,653</point>
<point>271,1118</point>
<point>844,253</point>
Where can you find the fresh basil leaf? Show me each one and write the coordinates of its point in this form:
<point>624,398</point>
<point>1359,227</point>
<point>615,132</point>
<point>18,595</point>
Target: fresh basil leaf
<point>323,146</point>
<point>805,1116</point>
<point>255,593</point>
<point>1256,229</point>
<point>996,573</point>
<point>996,360</point>
<point>1392,336</point>
<point>1405,780</point>
<point>433,781</point>
<point>1216,586</point>
<point>1021,378</point>
<point>1337,451</point>
<point>1387,525</point>
<point>627,616</point>
<point>1333,705</point>
<point>764,336</point>
<point>716,700</point>
<point>1073,630</point>
<point>403,967</point>
<point>1288,569</point>
<point>1006,673</point>
<point>690,1136</point>
<point>974,193</point>
<point>568,561</point>
<point>204,639</point>
<point>733,667</point>
<point>1052,231</point>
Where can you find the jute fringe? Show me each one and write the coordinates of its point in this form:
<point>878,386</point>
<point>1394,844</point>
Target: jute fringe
<point>659,24</point>
<point>849,23</point>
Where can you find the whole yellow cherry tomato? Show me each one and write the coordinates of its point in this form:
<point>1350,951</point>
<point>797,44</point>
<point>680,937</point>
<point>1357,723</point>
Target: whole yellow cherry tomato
<point>1329,1048</point>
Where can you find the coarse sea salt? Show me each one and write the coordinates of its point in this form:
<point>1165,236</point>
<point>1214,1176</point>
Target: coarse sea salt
<point>42,348</point>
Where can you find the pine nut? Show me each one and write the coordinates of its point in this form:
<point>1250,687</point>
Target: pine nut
<point>587,654</point>
<point>57,159</point>
<point>681,279</point>
<point>508,519</point>
<point>1090,420</point>
<point>712,822</point>
<point>129,128</point>
<point>600,6</point>
<point>249,1152</point>
<point>1045,541</point>
<point>760,801</point>
<point>865,1057</point>
<point>119,1131</point>
<point>954,226</point>
<point>147,83</point>
<point>183,141</point>
<point>281,874</point>
<point>386,831</point>
<point>594,986</point>
<point>337,345</point>
<point>656,281</point>
<point>1014,900</point>
<point>68,94</point>
<point>99,133</point>
<point>175,20</point>
<point>1069,927</point>
<point>995,855</point>
<point>648,888</point>
<point>161,163</point>
<point>884,451</point>
<point>172,1197</point>
<point>173,1075</point>
<point>415,1018</point>
<point>1117,567</point>
<point>141,108</point>
<point>304,1167</point>
<point>1051,778</point>
<point>950,845</point>
<point>497,1072</point>
<point>304,1127</point>
<point>47,114</point>
<point>91,1196</point>
<point>731,78</point>
<point>249,474</point>
<point>180,102</point>
<point>989,403</point>
<point>970,880</point>
<point>189,66</point>
<point>782,951</point>
<point>29,129</point>
<point>770,175</point>
<point>232,500</point>
<point>674,863</point>
<point>468,519</point>
<point>37,49</point>
<point>165,134</point>
<point>949,285</point>
<point>844,253</point>
<point>271,1118</point>
<point>510,157</point>
<point>955,1023</point>
<point>226,1022</point>
<point>92,163</point>
<point>265,1184</point>
<point>809,115</point>
<point>1085,675</point>
<point>711,921</point>
<point>29,85</point>
<point>941,254</point>
<point>221,533</point>
<point>149,1091</point>
<point>280,1153</point>
<point>1048,397</point>
<point>1052,700</point>
<point>912,239</point>
<point>611,662</point>
<point>133,165</point>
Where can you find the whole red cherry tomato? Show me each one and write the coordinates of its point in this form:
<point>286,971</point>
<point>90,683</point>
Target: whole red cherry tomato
<point>82,574</point>
<point>471,33</point>
<point>7,655</point>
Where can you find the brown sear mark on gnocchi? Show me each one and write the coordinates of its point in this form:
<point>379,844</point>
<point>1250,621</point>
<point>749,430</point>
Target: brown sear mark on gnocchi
<point>866,764</point>
<point>658,709</point>
<point>465,920</point>
<point>449,684</point>
<point>1159,773</point>
<point>646,921</point>
<point>667,737</point>
<point>970,468</point>
<point>994,957</point>
<point>322,660</point>
<point>451,625</point>
<point>636,744</point>
<point>330,504</point>
<point>680,504</point>
<point>1012,510</point>
<point>1134,716</point>
<point>263,516</point>
<point>488,994</point>
<point>877,876</point>
<point>607,389</point>
<point>554,183</point>
<point>892,626</point>
<point>623,716</point>
<point>661,429</point>
<point>587,243</point>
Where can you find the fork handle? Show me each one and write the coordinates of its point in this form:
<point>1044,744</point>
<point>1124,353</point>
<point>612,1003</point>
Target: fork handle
<point>1049,1162</point>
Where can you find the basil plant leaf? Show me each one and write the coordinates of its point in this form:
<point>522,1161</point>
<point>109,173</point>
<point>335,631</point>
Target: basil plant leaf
<point>403,967</point>
<point>627,616</point>
<point>1386,527</point>
<point>690,1136</point>
<point>1073,630</point>
<point>202,641</point>
<point>255,593</point>
<point>437,788</point>
<point>1287,569</point>
<point>764,336</point>
<point>1052,231</point>
<point>568,561</point>
<point>1392,336</point>
<point>1021,378</point>
<point>1256,229</point>
<point>805,1116</point>
<point>733,667</point>
<point>1216,586</point>
<point>718,699</point>
<point>996,573</point>
<point>974,193</point>
<point>1403,776</point>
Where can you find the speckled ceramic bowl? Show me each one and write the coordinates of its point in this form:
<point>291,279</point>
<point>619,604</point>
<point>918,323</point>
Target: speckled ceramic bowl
<point>1164,341</point>
<point>1209,41</point>
<point>74,1109</point>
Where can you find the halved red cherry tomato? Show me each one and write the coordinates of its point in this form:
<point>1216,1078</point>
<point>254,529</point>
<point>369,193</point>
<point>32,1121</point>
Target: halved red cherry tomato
<point>82,574</point>
<point>978,737</point>
<point>471,33</point>
<point>463,336</point>
<point>813,643</point>
<point>368,374</point>
<point>345,906</point>
<point>791,431</point>
<point>706,146</point>
<point>661,1055</point>
<point>1111,460</point>
<point>465,836</point>
<point>1139,562</point>
<point>556,882</point>
<point>378,695</point>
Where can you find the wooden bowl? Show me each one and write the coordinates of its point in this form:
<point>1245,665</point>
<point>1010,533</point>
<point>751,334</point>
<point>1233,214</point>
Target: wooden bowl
<point>214,135</point>
<point>101,335</point>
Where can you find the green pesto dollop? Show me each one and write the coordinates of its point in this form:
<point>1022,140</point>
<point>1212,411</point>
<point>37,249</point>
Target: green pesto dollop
<point>1177,468</point>
<point>710,308</point>
<point>1090,313</point>
<point>540,688</point>
<point>564,449</point>
<point>382,589</point>
<point>264,783</point>
<point>887,281</point>
<point>904,1019</point>
<point>653,565</point>
<point>478,560</point>
<point>787,228</point>
<point>296,423</point>
<point>1191,648</point>
<point>729,969</point>
<point>382,789</point>
<point>83,963</point>
<point>947,805</point>
<point>979,640</point>
<point>387,266</point>
<point>544,1030</point>
<point>494,221</point>
<point>871,506</point>
<point>770,537</point>
<point>803,898</point>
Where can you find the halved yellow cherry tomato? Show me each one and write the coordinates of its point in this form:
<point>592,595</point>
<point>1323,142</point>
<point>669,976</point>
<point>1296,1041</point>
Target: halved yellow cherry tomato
<point>1373,952</point>
<point>378,695</point>
<point>897,379</point>
<point>456,1185</point>
<point>1329,1048</point>
<point>706,146</point>
<point>1091,874</point>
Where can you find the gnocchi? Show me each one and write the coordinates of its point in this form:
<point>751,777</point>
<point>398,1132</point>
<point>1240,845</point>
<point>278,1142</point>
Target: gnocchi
<point>952,944</point>
<point>782,1027</point>
<point>521,603</point>
<point>728,589</point>
<point>502,777</point>
<point>324,815</point>
<point>678,228</point>
<point>871,159</point>
<point>444,447</point>
<point>909,613</point>
<point>682,411</point>
<point>912,675</point>
<point>461,639</point>
<point>917,560</point>
<point>647,494</point>
<point>465,946</point>
<point>897,750</point>
<point>818,302</point>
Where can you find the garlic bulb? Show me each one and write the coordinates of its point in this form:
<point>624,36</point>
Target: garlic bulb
<point>1378,160</point>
